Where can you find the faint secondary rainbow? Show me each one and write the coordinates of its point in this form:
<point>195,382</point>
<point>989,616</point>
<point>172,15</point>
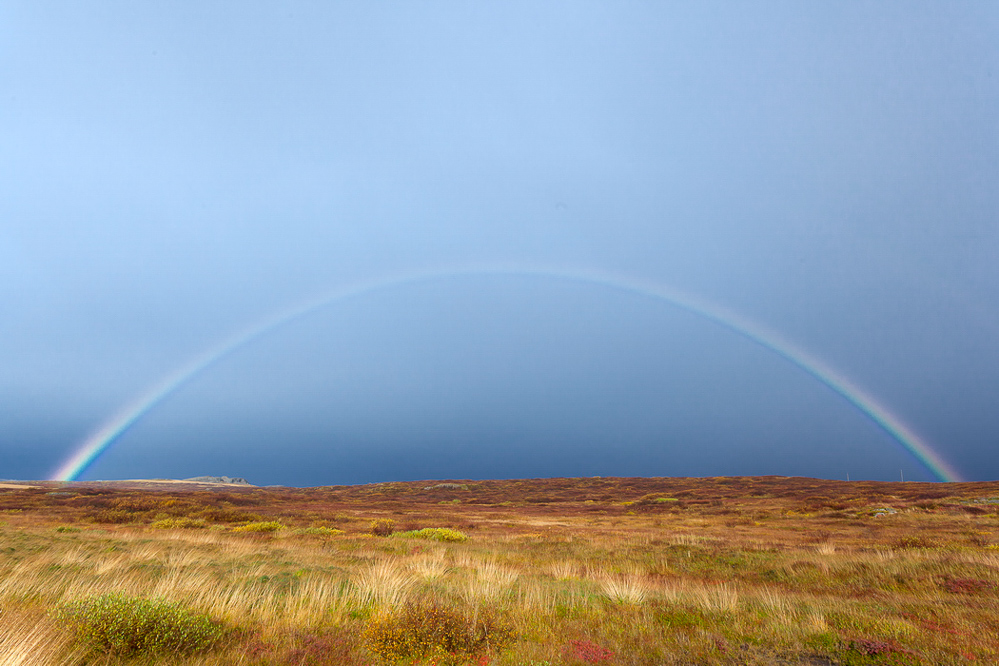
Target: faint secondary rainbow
<point>98,442</point>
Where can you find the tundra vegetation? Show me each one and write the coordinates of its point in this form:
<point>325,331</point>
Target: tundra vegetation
<point>767,570</point>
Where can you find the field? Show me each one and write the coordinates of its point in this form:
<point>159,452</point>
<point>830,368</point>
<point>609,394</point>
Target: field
<point>765,570</point>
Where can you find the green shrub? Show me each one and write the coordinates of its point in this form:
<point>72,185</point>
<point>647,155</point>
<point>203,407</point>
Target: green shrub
<point>123,625</point>
<point>67,528</point>
<point>435,534</point>
<point>266,526</point>
<point>431,630</point>
<point>179,523</point>
<point>382,526</point>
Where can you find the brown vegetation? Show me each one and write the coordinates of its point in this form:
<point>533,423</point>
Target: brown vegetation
<point>532,572</point>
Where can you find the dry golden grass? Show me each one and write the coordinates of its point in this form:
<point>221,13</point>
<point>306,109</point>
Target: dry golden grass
<point>431,566</point>
<point>34,640</point>
<point>564,570</point>
<point>384,583</point>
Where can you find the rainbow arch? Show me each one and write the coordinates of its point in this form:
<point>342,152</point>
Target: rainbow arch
<point>100,440</point>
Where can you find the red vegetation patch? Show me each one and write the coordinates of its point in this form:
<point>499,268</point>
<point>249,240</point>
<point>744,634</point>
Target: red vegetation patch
<point>304,649</point>
<point>967,585</point>
<point>587,651</point>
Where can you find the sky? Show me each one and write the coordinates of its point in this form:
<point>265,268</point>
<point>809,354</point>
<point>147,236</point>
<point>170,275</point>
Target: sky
<point>176,174</point>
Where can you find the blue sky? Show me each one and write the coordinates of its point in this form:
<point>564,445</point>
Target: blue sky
<point>173,174</point>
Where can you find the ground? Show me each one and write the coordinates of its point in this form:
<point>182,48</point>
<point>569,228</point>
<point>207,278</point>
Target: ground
<point>748,570</point>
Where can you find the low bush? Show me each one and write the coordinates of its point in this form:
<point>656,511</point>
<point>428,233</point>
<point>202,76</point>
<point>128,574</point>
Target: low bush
<point>179,523</point>
<point>226,515</point>
<point>320,531</point>
<point>382,526</point>
<point>435,534</point>
<point>913,542</point>
<point>114,517</point>
<point>134,504</point>
<point>124,626</point>
<point>264,526</point>
<point>428,629</point>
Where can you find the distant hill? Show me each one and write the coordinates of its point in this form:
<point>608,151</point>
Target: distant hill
<point>218,479</point>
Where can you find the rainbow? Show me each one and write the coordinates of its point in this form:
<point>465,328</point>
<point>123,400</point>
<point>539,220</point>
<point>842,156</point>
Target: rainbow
<point>99,442</point>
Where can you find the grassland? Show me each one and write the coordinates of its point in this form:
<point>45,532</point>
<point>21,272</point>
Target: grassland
<point>536,572</point>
